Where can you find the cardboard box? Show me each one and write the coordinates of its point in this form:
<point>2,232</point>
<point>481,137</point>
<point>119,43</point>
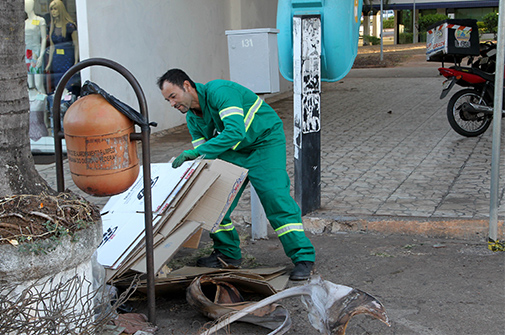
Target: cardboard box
<point>123,216</point>
<point>173,217</point>
<point>217,201</point>
<point>184,199</point>
<point>180,279</point>
<point>194,241</point>
<point>452,40</point>
<point>168,247</point>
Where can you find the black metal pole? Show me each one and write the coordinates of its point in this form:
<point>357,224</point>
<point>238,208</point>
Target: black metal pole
<point>146,159</point>
<point>307,111</point>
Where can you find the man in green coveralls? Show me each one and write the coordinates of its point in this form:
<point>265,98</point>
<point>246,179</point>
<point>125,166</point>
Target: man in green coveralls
<point>230,122</point>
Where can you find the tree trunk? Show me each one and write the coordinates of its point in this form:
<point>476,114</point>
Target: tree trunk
<point>17,168</point>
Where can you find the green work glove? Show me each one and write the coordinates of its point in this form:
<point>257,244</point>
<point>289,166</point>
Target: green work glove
<point>185,156</point>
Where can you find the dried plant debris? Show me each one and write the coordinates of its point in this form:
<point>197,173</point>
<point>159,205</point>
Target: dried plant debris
<point>74,306</point>
<point>27,220</point>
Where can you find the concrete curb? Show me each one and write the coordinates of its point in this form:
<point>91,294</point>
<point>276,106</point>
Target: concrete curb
<point>466,229</point>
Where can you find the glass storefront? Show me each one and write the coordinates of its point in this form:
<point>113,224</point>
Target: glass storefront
<point>52,47</point>
<point>473,13</point>
<point>405,27</point>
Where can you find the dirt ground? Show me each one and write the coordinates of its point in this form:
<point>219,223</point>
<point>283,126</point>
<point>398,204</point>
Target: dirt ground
<point>392,55</point>
<point>427,285</point>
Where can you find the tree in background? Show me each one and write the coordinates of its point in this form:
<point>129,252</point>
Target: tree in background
<point>424,21</point>
<point>389,23</point>
<point>491,23</point>
<point>17,167</point>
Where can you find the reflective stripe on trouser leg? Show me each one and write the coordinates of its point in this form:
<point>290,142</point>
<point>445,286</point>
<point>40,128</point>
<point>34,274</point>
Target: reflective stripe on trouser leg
<point>294,235</point>
<point>267,173</point>
<point>226,239</point>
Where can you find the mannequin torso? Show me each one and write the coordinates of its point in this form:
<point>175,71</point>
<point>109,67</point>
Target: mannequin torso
<point>35,46</point>
<point>35,36</point>
<point>64,46</point>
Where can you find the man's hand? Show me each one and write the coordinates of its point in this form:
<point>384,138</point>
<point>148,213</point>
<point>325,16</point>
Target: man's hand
<point>185,156</point>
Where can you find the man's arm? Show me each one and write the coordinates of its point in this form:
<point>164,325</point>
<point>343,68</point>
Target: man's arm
<point>231,122</point>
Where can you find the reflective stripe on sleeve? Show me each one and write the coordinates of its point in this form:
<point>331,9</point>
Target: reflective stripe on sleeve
<point>224,227</point>
<point>251,113</point>
<point>230,111</point>
<point>287,228</point>
<point>198,142</point>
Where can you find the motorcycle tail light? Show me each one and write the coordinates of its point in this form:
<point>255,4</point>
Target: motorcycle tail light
<point>445,72</point>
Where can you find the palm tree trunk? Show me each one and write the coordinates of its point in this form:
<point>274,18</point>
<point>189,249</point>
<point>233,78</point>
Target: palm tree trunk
<point>17,168</point>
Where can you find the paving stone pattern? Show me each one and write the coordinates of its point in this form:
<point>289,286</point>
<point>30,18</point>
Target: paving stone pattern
<point>387,149</point>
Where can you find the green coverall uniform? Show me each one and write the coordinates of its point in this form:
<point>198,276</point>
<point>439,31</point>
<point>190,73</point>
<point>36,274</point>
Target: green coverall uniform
<point>240,128</point>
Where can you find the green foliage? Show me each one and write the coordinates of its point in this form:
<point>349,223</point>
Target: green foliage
<point>38,247</point>
<point>422,36</point>
<point>389,23</point>
<point>406,38</point>
<point>482,28</point>
<point>424,21</point>
<point>371,40</point>
<point>45,246</point>
<point>490,21</point>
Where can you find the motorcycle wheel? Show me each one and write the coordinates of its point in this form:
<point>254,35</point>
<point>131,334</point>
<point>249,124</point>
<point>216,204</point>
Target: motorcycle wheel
<point>464,123</point>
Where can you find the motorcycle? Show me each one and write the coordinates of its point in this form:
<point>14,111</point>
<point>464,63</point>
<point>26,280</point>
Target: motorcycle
<point>470,110</point>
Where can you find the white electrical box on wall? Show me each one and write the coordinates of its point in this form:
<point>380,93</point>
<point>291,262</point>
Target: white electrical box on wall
<point>254,58</point>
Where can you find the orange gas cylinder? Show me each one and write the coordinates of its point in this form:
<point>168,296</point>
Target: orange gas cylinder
<point>102,159</point>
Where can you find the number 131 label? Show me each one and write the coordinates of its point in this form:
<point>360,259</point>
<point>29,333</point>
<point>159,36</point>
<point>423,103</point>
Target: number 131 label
<point>247,43</point>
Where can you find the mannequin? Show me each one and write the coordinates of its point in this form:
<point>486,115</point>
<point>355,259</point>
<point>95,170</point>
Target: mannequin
<point>35,45</point>
<point>64,45</point>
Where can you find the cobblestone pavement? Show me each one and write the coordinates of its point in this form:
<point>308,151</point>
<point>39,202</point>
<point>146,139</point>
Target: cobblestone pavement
<point>387,151</point>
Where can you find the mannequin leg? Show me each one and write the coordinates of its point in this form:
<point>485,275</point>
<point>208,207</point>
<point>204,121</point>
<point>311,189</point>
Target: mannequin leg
<point>31,80</point>
<point>39,83</point>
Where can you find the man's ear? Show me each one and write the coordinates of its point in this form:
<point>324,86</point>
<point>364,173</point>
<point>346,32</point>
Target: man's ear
<point>186,86</point>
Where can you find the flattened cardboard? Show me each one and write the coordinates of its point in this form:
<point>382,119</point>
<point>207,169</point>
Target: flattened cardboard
<point>180,279</point>
<point>202,196</point>
<point>211,209</point>
<point>199,271</point>
<point>214,186</point>
<point>194,241</point>
<point>203,183</point>
<point>204,179</point>
<point>168,247</point>
<point>279,283</point>
<point>123,219</point>
<point>179,208</point>
<point>244,284</point>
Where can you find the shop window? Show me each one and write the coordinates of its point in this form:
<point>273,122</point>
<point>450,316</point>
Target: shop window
<point>52,48</point>
<point>473,13</point>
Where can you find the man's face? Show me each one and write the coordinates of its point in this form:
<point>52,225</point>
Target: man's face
<point>178,97</point>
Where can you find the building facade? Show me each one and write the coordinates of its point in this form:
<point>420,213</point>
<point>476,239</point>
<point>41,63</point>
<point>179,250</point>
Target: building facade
<point>146,37</point>
<point>405,11</point>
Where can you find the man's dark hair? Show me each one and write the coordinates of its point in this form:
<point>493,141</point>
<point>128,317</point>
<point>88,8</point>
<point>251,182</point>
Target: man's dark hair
<point>175,77</point>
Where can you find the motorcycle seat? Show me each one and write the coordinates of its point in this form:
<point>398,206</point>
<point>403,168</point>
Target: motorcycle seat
<point>486,75</point>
